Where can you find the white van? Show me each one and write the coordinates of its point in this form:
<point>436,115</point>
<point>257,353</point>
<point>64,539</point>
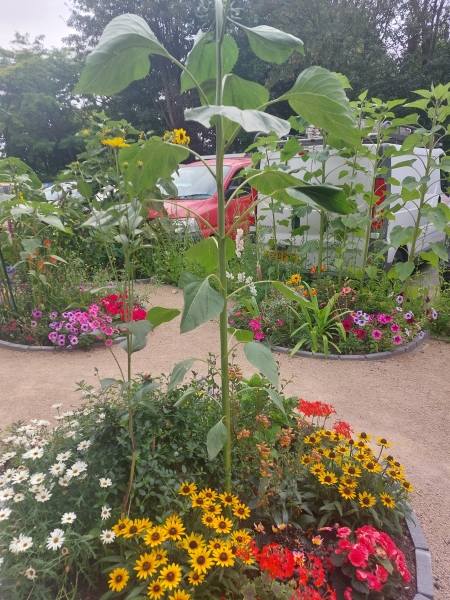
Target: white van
<point>290,246</point>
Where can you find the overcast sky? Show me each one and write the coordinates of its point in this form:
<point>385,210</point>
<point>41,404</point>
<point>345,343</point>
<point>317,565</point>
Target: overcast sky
<point>35,17</point>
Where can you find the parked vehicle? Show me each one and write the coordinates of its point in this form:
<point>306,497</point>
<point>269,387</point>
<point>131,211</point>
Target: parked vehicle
<point>194,210</point>
<point>287,219</point>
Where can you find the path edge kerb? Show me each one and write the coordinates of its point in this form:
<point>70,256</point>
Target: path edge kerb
<point>424,572</point>
<point>23,348</point>
<point>409,347</point>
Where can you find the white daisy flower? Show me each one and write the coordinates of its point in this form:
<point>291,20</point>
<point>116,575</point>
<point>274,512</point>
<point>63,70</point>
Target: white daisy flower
<point>7,494</point>
<point>21,476</point>
<point>1,560</point>
<point>84,445</point>
<point>8,456</point>
<point>36,489</point>
<point>34,453</point>
<point>64,481</point>
<point>64,456</point>
<point>68,413</point>
<point>30,573</point>
<point>105,482</point>
<point>37,478</point>
<point>18,498</point>
<point>79,466</point>
<point>57,469</point>
<point>42,423</point>
<point>106,513</point>
<point>58,405</point>
<point>20,544</point>
<point>43,496</point>
<point>58,418</point>
<point>4,513</point>
<point>68,517</point>
<point>71,434</point>
<point>8,475</point>
<point>107,536</point>
<point>56,539</point>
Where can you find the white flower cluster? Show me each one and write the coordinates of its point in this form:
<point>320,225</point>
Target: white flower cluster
<point>239,242</point>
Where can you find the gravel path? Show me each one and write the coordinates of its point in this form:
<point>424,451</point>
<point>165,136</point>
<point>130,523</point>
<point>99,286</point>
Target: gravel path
<point>404,399</point>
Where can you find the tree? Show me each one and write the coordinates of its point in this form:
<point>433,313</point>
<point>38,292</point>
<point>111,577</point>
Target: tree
<point>38,117</point>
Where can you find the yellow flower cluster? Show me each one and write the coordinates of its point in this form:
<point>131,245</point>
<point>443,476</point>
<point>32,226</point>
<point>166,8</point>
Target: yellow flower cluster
<point>177,136</point>
<point>351,466</point>
<point>117,142</point>
<point>218,543</point>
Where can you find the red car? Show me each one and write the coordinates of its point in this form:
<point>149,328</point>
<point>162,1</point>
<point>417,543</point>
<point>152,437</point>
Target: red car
<point>197,194</point>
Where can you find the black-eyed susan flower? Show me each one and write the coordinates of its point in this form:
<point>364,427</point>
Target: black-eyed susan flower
<point>223,525</point>
<point>387,500</point>
<point>240,537</point>
<point>195,578</point>
<point>347,492</point>
<point>327,478</point>
<point>407,486</point>
<point>145,566</point>
<point>342,450</point>
<point>155,536</point>
<point>208,519</point>
<point>180,594</point>
<point>224,557</point>
<point>312,439</point>
<point>132,529</point>
<point>120,527</point>
<point>372,466</point>
<point>360,456</point>
<point>213,509</point>
<point>156,590</point>
<point>201,560</point>
<point>228,499</point>
<point>348,481</point>
<point>160,557</point>
<point>144,523</point>
<point>331,454</point>
<point>170,576</point>
<point>383,442</point>
<point>317,469</point>
<point>216,544</point>
<point>193,542</point>
<point>394,474</point>
<point>364,436</point>
<point>209,494</point>
<point>306,459</point>
<point>241,511</point>
<point>361,444</point>
<point>118,579</point>
<point>199,501</point>
<point>186,489</point>
<point>174,527</point>
<point>366,500</point>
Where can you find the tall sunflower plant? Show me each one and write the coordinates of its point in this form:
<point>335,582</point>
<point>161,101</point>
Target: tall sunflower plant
<point>228,104</point>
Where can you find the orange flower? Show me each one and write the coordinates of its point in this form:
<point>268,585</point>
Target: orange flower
<point>47,243</point>
<point>52,259</point>
<point>40,265</point>
<point>313,292</point>
<point>323,268</point>
<point>312,269</point>
<point>305,294</point>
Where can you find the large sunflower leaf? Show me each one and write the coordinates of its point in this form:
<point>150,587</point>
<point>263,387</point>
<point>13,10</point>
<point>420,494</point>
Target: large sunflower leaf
<point>270,44</point>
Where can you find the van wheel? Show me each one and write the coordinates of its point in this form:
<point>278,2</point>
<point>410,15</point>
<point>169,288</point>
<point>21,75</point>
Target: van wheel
<point>401,256</point>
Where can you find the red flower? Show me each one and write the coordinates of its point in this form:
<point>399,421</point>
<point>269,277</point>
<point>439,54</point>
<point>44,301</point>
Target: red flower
<point>347,325</point>
<point>348,594</point>
<point>360,334</point>
<point>343,427</point>
<point>358,555</point>
<point>139,314</point>
<point>316,409</point>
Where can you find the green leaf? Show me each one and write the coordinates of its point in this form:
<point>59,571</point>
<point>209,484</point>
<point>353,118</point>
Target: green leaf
<point>201,60</point>
<point>216,439</point>
<point>319,97</point>
<point>107,383</point>
<point>30,244</point>
<point>186,278</point>
<point>179,371</point>
<point>139,331</point>
<point>270,44</point>
<point>249,120</point>
<point>187,395</point>
<point>268,182</point>
<point>437,215</point>
<point>201,303</point>
<point>308,247</point>
<point>439,249</point>
<point>430,257</point>
<point>206,252</point>
<point>276,399</point>
<point>401,235</point>
<point>55,222</point>
<point>120,57</point>
<point>158,315</point>
<point>372,272</point>
<point>331,198</point>
<point>14,165</point>
<point>289,293</point>
<point>84,188</point>
<point>261,357</point>
<point>149,162</point>
<point>241,335</point>
<point>404,270</point>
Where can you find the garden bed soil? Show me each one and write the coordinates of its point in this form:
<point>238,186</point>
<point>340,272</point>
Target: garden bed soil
<point>404,399</point>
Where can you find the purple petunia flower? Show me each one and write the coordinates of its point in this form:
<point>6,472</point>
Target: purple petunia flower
<point>37,314</point>
<point>395,328</point>
<point>73,340</point>
<point>53,336</point>
<point>359,313</point>
<point>399,299</point>
<point>360,322</point>
<point>397,339</point>
<point>61,340</point>
<point>376,334</point>
<point>65,315</point>
<point>408,315</point>
<point>421,335</point>
<point>33,324</point>
<point>84,327</point>
<point>53,315</point>
<point>434,314</point>
<point>407,332</point>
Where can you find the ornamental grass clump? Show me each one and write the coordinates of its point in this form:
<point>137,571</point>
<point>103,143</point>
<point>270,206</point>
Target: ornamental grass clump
<point>201,550</point>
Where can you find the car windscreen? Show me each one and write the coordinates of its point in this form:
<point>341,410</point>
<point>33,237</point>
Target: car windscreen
<point>196,182</point>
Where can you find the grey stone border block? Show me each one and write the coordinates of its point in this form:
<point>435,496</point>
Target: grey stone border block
<point>408,347</point>
<point>424,573</point>
<point>22,348</point>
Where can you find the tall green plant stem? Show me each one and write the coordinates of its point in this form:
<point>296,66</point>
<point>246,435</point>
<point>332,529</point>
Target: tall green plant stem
<point>226,411</point>
<point>322,212</point>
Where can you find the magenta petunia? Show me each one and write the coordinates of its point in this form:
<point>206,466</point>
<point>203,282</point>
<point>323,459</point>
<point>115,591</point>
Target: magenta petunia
<point>395,328</point>
<point>397,339</point>
<point>258,336</point>
<point>376,334</point>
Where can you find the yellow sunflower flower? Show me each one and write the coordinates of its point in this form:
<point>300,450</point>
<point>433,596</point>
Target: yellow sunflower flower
<point>118,579</point>
<point>223,525</point>
<point>213,509</point>
<point>317,469</point>
<point>383,442</point>
<point>366,500</point>
<point>121,526</point>
<point>174,527</point>
<point>201,560</point>
<point>347,492</point>
<point>208,519</point>
<point>228,499</point>
<point>199,501</point>
<point>387,500</point>
<point>193,542</point>
<point>144,523</point>
<point>209,494</point>
<point>327,478</point>
<point>351,470</point>
<point>348,481</point>
<point>132,529</point>
<point>186,489</point>
<point>145,566</point>
<point>156,590</point>
<point>170,576</point>
<point>407,486</point>
<point>312,439</point>
<point>223,557</point>
<point>217,544</point>
<point>155,536</point>
<point>306,459</point>
<point>160,557</point>
<point>117,142</point>
<point>364,436</point>
<point>241,511</point>
<point>240,538</point>
<point>195,578</point>
<point>372,466</point>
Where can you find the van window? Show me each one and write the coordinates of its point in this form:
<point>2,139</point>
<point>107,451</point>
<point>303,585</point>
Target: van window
<point>196,182</point>
<point>239,180</point>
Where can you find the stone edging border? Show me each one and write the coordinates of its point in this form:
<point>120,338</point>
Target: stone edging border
<point>424,573</point>
<point>409,347</point>
<point>23,348</point>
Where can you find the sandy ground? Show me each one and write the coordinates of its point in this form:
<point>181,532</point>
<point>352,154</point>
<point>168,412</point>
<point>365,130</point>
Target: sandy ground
<point>404,399</point>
